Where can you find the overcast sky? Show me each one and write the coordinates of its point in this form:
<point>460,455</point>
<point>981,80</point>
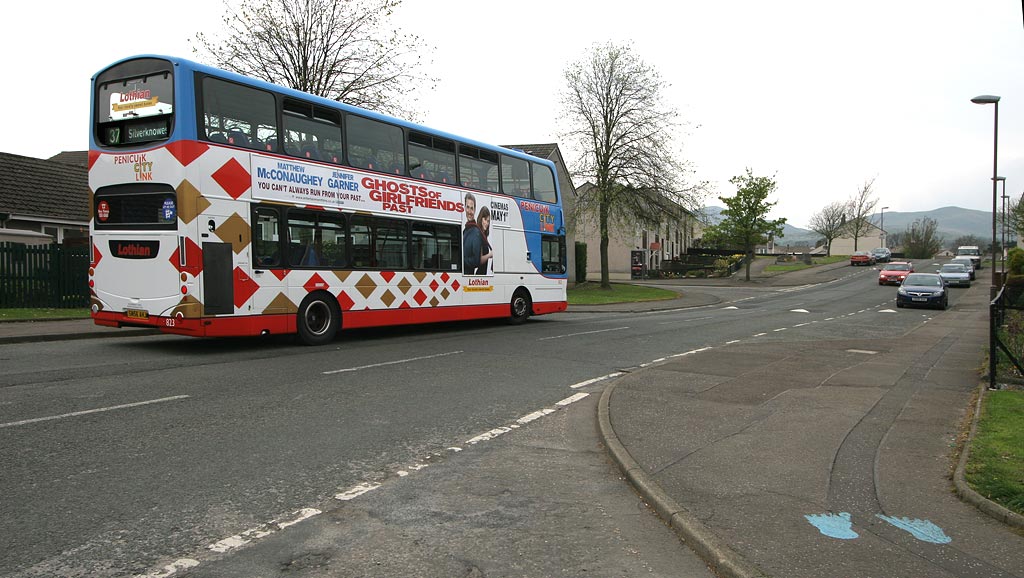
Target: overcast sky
<point>822,95</point>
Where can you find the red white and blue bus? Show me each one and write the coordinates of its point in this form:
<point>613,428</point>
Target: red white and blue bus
<point>227,206</point>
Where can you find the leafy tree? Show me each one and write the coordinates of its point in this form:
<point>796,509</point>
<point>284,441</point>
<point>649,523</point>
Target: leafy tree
<point>829,223</point>
<point>921,239</point>
<point>615,110</point>
<point>860,208</point>
<point>337,49</point>
<point>968,240</point>
<point>744,222</point>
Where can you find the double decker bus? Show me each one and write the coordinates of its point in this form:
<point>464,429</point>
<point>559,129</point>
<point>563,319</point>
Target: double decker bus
<point>227,206</point>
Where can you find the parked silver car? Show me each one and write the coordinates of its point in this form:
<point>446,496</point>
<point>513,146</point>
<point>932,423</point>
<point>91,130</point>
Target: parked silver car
<point>955,275</point>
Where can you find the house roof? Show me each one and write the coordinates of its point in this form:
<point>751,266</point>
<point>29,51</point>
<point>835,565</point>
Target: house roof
<point>80,158</point>
<point>43,188</point>
<point>550,152</point>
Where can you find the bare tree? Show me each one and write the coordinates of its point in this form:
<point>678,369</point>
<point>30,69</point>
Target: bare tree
<point>829,222</point>
<point>337,49</point>
<point>859,209</point>
<point>616,116</point>
<point>922,239</point>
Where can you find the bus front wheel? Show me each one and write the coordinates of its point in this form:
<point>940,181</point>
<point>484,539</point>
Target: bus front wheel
<point>521,307</point>
<point>318,319</point>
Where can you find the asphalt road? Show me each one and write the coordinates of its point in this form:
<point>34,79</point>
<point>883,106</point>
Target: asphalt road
<point>128,456</point>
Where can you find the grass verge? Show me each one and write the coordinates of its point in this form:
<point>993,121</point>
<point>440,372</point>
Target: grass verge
<point>592,294</point>
<point>996,465</point>
<point>27,314</point>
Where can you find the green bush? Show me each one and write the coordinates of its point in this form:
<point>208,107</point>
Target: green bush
<point>1015,260</point>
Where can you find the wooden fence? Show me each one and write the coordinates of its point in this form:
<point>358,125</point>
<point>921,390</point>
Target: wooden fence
<point>44,275</point>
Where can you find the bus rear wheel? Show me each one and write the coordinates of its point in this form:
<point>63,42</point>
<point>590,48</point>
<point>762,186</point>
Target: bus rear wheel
<point>318,319</point>
<point>521,307</point>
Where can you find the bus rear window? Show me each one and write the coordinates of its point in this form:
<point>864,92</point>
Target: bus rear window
<point>142,206</point>
<point>134,103</point>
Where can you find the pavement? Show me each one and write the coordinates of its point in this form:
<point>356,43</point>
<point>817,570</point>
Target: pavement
<point>817,458</point>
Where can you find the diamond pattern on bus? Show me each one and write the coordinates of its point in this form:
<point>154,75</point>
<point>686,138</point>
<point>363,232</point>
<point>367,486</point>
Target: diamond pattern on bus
<point>434,302</point>
<point>193,258</point>
<point>455,285</point>
<point>189,307</point>
<point>345,301</point>
<point>315,282</point>
<point>419,276</point>
<point>234,230</point>
<point>434,285</point>
<point>187,151</point>
<point>404,286</point>
<point>420,297</point>
<point>280,273</point>
<point>280,304</point>
<point>387,298</point>
<point>96,255</point>
<point>233,178</point>
<point>191,202</point>
<point>387,276</point>
<point>245,287</point>
<point>366,286</point>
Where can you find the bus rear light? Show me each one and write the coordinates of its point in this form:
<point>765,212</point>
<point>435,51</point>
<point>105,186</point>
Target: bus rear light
<point>184,277</point>
<point>184,289</point>
<point>92,283</point>
<point>92,271</point>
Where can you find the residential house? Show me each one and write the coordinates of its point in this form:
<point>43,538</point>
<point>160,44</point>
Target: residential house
<point>44,201</point>
<point>870,240</point>
<point>659,243</point>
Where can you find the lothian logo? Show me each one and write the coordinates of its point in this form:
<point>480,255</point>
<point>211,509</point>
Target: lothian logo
<point>133,250</point>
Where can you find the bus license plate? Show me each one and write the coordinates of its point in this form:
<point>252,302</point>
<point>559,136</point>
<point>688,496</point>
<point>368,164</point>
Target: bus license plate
<point>136,314</point>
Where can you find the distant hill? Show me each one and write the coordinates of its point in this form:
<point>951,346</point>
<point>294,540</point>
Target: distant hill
<point>952,222</point>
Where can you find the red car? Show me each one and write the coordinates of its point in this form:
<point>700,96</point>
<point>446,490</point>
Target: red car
<point>862,258</point>
<point>894,273</point>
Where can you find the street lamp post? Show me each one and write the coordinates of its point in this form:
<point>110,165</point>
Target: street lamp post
<point>992,359</point>
<point>1002,240</point>
<point>881,227</point>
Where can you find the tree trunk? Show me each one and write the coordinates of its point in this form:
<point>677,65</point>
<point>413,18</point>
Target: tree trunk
<point>603,225</point>
<point>750,259</point>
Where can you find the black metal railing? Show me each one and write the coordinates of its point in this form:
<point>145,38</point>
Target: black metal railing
<point>1006,331</point>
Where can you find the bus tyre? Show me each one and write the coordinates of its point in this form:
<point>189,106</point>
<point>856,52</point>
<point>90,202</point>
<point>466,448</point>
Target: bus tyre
<point>318,319</point>
<point>521,307</point>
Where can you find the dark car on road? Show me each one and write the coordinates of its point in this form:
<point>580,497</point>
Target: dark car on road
<point>922,290</point>
<point>881,254</point>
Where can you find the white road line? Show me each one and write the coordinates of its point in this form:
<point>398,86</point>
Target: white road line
<point>595,380</point>
<point>582,333</point>
<point>386,363</point>
<point>779,329</point>
<point>357,491</point>
<point>89,411</point>
<point>572,399</point>
<point>760,334</point>
<point>733,341</point>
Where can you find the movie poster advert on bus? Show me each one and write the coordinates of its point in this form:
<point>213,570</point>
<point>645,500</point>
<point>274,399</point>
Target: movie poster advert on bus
<point>341,188</point>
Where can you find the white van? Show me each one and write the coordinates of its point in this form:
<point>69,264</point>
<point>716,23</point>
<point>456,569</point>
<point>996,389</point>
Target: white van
<point>971,251</point>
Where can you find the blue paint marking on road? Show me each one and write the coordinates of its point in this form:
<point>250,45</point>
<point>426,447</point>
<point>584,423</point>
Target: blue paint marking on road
<point>833,525</point>
<point>923,530</point>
